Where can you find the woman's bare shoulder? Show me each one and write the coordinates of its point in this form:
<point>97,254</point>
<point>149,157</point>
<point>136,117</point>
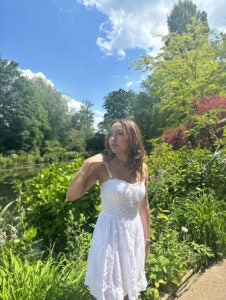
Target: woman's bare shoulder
<point>98,169</point>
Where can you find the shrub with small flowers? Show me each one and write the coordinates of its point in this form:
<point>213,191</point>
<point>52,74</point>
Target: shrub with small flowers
<point>12,234</point>
<point>184,229</point>
<point>8,230</point>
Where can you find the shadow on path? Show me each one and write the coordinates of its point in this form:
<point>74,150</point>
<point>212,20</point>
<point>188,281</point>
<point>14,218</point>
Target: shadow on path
<point>207,285</point>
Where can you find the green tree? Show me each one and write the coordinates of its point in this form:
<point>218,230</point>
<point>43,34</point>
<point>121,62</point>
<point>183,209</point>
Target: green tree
<point>75,140</point>
<point>83,119</point>
<point>189,67</point>
<point>118,104</point>
<point>22,118</point>
<point>147,115</point>
<point>182,14</point>
<point>57,110</point>
<point>96,143</point>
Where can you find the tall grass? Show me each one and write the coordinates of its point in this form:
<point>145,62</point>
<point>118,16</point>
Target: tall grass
<point>205,218</point>
<point>38,279</point>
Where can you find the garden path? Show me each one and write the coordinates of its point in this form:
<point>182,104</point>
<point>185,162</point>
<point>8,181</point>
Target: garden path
<point>208,285</point>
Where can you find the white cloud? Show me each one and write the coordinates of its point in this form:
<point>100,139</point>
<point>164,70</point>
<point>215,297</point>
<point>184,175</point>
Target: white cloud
<point>216,13</point>
<point>30,75</point>
<point>73,105</point>
<point>129,84</point>
<point>141,24</point>
<point>98,117</point>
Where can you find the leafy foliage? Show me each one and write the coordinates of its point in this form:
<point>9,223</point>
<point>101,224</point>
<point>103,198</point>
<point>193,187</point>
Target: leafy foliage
<point>187,67</point>
<point>83,119</point>
<point>175,173</point>
<point>205,127</point>
<point>22,118</point>
<point>187,197</point>
<point>167,262</point>
<point>209,103</point>
<point>75,141</point>
<point>43,204</point>
<point>176,137</point>
<point>118,105</point>
<point>33,112</point>
<point>205,218</point>
<point>55,106</point>
<point>12,235</point>
<point>148,116</point>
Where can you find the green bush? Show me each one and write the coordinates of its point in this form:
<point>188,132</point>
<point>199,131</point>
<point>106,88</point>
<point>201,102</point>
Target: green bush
<point>3,161</point>
<point>42,204</point>
<point>176,173</point>
<point>205,218</point>
<point>187,199</point>
<point>12,234</point>
<point>26,273</point>
<point>21,158</point>
<point>78,239</point>
<point>169,259</point>
<point>179,198</point>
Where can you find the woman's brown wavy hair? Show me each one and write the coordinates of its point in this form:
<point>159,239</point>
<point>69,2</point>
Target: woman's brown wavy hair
<point>136,153</point>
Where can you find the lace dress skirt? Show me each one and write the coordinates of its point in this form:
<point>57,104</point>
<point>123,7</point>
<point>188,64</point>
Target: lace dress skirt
<point>116,258</point>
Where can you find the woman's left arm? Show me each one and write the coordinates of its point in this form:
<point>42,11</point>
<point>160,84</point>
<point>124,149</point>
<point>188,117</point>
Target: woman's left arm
<point>145,215</point>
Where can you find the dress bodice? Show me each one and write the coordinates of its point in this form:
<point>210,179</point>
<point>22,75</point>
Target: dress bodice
<point>122,198</point>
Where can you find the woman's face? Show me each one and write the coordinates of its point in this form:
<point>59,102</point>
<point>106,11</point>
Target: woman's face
<point>118,139</point>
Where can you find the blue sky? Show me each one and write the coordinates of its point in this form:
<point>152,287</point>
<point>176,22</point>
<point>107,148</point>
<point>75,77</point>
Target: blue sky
<point>84,47</point>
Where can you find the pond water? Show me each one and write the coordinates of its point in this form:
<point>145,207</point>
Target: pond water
<point>7,179</point>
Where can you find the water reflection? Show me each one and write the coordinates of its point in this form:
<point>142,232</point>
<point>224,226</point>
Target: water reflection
<point>7,194</point>
<point>7,179</point>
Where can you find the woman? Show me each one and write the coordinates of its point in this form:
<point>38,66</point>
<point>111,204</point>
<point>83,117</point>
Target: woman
<point>120,242</point>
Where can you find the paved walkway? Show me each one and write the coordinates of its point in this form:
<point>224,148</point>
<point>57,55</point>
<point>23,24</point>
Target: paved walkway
<point>209,285</point>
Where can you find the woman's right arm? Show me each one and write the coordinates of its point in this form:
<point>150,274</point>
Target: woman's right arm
<point>86,177</point>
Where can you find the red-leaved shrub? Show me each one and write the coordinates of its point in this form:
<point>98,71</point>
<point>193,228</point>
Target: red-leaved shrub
<point>175,137</point>
<point>205,135</point>
<point>208,103</point>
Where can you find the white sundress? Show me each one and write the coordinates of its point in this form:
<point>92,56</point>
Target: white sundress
<point>115,266</point>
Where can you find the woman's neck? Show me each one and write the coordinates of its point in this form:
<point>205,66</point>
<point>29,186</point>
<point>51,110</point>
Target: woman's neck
<point>122,156</point>
<point>121,160</point>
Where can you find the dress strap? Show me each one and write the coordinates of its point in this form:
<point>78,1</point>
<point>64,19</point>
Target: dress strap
<point>109,172</point>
